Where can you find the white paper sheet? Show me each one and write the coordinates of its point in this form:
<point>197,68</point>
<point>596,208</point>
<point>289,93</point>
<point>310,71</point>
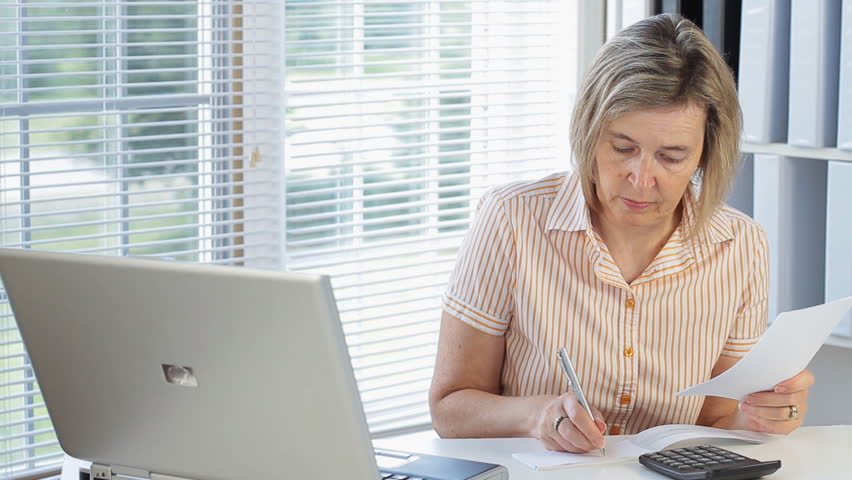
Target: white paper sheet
<point>784,350</point>
<point>629,447</point>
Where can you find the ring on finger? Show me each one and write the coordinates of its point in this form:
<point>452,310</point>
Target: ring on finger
<point>558,421</point>
<point>794,412</point>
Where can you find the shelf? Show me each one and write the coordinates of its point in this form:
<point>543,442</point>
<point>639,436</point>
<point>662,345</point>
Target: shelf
<point>838,341</point>
<point>786,150</point>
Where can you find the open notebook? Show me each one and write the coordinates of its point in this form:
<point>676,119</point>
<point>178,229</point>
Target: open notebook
<point>650,440</point>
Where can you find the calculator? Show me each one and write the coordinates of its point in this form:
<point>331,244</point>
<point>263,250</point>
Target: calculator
<point>706,461</point>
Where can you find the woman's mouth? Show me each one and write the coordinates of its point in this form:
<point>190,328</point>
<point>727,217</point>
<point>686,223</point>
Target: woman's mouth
<point>635,205</point>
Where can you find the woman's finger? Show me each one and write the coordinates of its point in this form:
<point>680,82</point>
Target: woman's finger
<point>771,399</point>
<point>801,381</point>
<point>569,433</point>
<point>561,436</point>
<point>777,414</point>
<point>758,424</point>
<point>599,420</point>
<point>550,443</point>
<point>584,423</point>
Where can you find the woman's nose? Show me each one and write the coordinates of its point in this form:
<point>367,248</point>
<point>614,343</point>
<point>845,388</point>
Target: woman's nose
<point>642,175</point>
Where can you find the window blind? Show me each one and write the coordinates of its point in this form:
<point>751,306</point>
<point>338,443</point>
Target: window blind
<point>159,128</point>
<point>131,128</point>
<point>399,115</point>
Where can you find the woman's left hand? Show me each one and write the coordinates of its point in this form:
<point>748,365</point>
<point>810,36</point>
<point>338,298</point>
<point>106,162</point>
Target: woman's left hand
<point>778,411</point>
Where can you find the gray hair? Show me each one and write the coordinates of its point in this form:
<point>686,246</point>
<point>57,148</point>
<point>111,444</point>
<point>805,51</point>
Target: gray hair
<point>661,61</point>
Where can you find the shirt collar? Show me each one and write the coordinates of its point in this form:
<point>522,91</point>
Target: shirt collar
<point>569,211</point>
<point>716,229</point>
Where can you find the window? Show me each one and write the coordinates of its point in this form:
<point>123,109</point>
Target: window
<point>349,137</point>
<point>121,133</point>
<point>399,115</point>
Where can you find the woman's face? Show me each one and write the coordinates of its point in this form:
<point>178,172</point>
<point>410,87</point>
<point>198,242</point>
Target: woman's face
<point>645,160</point>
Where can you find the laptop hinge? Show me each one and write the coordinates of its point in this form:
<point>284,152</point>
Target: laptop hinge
<point>100,472</point>
<point>160,476</point>
<point>105,472</point>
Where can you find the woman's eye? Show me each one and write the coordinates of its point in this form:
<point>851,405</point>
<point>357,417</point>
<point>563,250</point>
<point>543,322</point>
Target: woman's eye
<point>622,149</point>
<point>671,160</point>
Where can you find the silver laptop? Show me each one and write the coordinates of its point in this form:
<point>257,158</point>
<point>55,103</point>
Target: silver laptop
<point>197,371</point>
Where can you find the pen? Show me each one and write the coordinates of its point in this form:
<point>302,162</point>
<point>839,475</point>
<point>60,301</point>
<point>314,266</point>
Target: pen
<point>574,382</point>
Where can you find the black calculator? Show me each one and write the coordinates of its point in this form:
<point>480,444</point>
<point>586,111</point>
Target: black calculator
<point>706,461</point>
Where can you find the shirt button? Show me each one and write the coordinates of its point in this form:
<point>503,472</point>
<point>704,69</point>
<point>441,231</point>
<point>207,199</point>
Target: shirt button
<point>628,351</point>
<point>630,303</point>
<point>625,399</point>
<point>615,430</point>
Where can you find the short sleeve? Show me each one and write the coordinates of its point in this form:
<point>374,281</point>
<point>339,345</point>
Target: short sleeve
<point>480,291</point>
<point>751,315</point>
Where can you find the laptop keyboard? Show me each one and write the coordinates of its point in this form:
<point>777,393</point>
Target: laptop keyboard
<point>391,476</point>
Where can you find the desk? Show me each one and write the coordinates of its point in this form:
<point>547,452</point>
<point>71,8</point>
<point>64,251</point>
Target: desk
<point>807,453</point>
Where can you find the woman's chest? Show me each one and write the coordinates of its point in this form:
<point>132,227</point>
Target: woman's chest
<point>570,295</point>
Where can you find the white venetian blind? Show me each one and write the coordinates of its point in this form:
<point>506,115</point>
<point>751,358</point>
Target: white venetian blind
<point>399,115</point>
<point>131,128</point>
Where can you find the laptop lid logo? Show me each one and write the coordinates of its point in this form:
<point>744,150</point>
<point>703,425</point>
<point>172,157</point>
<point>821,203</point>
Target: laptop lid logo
<point>180,376</point>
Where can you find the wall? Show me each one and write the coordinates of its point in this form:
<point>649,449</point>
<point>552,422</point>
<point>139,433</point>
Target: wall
<point>830,400</point>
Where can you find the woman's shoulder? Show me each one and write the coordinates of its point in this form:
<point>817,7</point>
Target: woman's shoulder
<point>741,224</point>
<point>547,186</point>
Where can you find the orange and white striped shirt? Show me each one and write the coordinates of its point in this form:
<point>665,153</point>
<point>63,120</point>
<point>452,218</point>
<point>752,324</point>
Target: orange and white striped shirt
<point>532,268</point>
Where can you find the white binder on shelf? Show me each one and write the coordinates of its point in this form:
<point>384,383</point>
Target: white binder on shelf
<point>844,117</point>
<point>764,69</point>
<point>741,195</point>
<point>814,71</point>
<point>838,239</point>
<point>789,202</point>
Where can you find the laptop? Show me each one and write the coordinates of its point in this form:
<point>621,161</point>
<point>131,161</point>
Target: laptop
<point>161,369</point>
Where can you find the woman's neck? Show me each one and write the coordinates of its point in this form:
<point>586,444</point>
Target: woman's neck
<point>633,248</point>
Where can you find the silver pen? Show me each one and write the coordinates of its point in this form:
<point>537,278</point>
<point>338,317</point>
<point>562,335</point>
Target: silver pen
<point>574,382</point>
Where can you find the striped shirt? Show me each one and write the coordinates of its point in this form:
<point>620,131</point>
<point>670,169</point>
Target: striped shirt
<point>532,268</point>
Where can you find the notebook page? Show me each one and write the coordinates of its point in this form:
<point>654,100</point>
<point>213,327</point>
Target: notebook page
<point>787,346</point>
<point>630,447</point>
<point>617,450</point>
<point>662,436</point>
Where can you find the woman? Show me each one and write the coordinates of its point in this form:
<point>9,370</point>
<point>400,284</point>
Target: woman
<point>650,282</point>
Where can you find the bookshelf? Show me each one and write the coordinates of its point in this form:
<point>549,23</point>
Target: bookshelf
<point>838,341</point>
<point>786,189</point>
<point>785,150</point>
<point>796,181</point>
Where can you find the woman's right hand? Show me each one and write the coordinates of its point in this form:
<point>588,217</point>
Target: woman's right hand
<point>577,432</point>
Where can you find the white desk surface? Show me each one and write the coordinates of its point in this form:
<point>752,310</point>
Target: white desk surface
<point>808,453</point>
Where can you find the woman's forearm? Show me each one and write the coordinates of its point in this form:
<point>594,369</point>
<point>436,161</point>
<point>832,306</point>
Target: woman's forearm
<point>473,413</point>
